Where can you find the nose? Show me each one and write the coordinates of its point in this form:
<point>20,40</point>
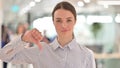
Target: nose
<point>64,25</point>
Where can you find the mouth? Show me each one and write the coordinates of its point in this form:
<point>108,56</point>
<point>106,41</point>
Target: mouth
<point>64,30</point>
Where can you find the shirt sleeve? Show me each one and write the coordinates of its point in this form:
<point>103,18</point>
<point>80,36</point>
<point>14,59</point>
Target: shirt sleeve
<point>15,52</point>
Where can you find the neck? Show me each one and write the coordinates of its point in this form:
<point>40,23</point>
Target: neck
<point>64,40</point>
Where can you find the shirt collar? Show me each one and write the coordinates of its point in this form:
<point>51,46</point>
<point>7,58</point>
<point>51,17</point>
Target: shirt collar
<point>72,44</point>
<point>55,44</point>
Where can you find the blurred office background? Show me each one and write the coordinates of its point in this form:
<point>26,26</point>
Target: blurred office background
<point>97,27</point>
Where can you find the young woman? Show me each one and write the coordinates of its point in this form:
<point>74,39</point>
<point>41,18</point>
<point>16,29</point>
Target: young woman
<point>63,52</point>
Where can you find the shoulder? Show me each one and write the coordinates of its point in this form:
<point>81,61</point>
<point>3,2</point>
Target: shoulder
<point>86,50</point>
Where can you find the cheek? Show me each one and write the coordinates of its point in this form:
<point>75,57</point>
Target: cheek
<point>71,26</point>
<point>57,27</point>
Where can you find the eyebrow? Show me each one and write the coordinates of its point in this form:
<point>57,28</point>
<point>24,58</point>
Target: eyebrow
<point>58,18</point>
<point>66,18</point>
<point>69,18</point>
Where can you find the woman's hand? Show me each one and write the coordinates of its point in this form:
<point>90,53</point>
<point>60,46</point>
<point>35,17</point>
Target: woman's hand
<point>33,36</point>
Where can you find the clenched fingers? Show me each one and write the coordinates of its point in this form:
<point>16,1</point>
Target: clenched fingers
<point>36,35</point>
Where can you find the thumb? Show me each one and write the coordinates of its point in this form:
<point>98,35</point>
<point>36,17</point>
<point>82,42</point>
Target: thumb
<point>37,42</point>
<point>39,45</point>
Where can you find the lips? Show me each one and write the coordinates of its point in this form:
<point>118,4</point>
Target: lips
<point>64,30</point>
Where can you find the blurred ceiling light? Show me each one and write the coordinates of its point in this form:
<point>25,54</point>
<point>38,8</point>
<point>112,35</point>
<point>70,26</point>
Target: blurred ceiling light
<point>87,1</point>
<point>106,6</point>
<point>32,3</point>
<point>37,0</point>
<point>27,8</point>
<point>109,2</point>
<point>80,3</point>
<point>101,19</point>
<point>117,18</point>
<point>24,10</point>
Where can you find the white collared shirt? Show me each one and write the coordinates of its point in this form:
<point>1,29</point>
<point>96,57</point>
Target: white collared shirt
<point>51,56</point>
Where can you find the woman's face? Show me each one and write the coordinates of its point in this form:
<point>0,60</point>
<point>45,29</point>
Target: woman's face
<point>64,22</point>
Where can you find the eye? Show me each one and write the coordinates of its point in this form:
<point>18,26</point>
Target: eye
<point>58,21</point>
<point>69,21</point>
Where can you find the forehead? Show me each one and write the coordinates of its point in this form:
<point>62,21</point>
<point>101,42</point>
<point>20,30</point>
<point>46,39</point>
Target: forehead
<point>62,13</point>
